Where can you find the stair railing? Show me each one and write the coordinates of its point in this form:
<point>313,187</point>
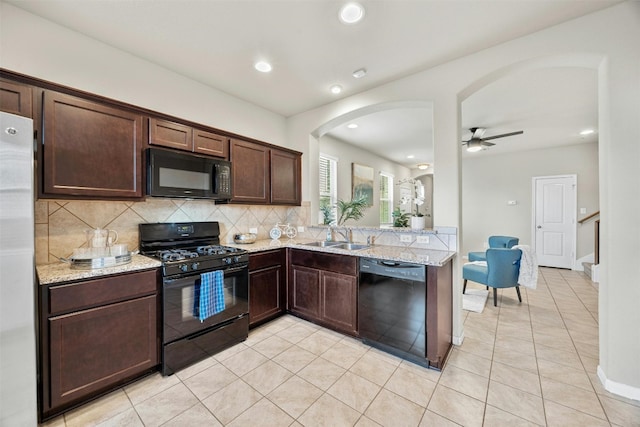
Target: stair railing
<point>596,252</point>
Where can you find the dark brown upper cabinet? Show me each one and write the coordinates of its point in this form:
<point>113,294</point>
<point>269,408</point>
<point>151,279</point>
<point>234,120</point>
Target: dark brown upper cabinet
<point>250,172</point>
<point>16,99</point>
<point>90,150</point>
<point>286,171</point>
<point>183,137</point>
<point>265,175</point>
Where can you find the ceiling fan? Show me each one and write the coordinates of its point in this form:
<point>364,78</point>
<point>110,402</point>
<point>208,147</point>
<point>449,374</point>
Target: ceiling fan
<point>477,142</point>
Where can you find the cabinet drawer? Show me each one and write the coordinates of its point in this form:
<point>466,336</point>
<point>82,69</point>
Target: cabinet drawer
<point>170,134</point>
<point>266,259</point>
<point>92,293</point>
<point>326,262</point>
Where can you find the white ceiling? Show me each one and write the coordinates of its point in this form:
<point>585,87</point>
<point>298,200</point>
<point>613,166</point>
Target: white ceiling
<point>216,43</point>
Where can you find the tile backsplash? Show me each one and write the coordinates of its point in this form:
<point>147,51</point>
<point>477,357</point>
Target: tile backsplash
<point>61,225</point>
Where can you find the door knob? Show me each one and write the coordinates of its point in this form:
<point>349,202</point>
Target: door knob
<point>539,226</point>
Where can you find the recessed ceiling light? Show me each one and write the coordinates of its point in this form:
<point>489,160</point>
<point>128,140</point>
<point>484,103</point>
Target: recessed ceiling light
<point>358,74</point>
<point>262,66</point>
<point>351,13</point>
<point>587,132</point>
<point>336,89</point>
<point>352,125</point>
<point>410,156</point>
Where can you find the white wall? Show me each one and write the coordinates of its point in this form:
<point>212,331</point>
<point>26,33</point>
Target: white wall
<point>488,182</point>
<point>348,154</point>
<point>36,47</point>
<point>605,41</point>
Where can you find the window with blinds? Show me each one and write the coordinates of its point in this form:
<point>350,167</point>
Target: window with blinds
<point>386,198</point>
<point>328,188</point>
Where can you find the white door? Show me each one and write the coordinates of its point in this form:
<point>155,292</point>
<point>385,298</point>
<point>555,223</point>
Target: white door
<point>555,220</point>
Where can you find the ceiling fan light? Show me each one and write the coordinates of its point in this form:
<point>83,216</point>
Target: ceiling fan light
<point>473,146</point>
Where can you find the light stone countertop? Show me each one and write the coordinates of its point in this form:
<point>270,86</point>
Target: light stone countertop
<point>390,253</point>
<point>62,272</point>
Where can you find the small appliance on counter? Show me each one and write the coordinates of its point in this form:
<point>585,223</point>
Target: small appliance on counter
<point>245,238</point>
<point>101,251</point>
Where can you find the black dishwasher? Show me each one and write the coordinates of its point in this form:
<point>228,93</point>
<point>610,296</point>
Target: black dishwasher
<point>392,303</point>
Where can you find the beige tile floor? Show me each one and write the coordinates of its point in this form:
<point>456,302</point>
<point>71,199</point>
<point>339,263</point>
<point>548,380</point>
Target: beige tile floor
<point>520,364</point>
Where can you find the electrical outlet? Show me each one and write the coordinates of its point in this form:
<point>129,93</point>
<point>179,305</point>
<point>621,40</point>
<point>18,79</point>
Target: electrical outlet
<point>253,230</point>
<point>422,239</point>
<point>405,238</point>
<point>300,229</point>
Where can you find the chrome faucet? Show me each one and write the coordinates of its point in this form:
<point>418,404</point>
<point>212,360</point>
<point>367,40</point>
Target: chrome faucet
<point>347,234</point>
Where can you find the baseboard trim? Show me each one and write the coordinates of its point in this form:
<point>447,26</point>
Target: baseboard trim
<point>457,340</point>
<point>620,389</point>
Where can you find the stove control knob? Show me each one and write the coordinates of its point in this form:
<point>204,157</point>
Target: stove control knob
<point>194,266</point>
<point>236,258</point>
<point>226,260</point>
<point>184,267</point>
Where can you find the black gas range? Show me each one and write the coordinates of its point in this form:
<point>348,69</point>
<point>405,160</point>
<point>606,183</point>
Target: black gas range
<point>187,248</point>
<point>191,255</point>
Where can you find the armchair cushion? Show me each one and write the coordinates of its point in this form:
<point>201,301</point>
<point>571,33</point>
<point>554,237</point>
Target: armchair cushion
<point>494,242</point>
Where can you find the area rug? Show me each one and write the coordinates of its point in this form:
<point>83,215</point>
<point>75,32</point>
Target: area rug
<point>474,300</point>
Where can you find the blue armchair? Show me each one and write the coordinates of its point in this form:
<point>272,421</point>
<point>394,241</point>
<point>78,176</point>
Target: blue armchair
<point>494,242</point>
<point>501,271</point>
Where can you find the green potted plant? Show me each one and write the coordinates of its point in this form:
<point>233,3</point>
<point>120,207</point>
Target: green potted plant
<point>353,209</point>
<point>400,219</point>
<point>327,213</point>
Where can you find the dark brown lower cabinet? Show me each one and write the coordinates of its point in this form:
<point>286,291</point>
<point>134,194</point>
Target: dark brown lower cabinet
<point>96,335</point>
<point>267,295</point>
<point>323,288</point>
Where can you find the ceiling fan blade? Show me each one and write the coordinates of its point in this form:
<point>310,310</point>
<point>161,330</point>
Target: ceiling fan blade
<point>486,144</point>
<point>477,132</point>
<point>503,135</point>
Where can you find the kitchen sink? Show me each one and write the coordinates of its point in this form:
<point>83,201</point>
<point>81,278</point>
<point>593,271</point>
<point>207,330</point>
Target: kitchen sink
<point>324,244</point>
<point>338,245</point>
<point>351,246</point>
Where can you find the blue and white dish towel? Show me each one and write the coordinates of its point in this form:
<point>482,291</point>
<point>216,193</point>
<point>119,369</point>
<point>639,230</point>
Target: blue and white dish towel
<point>209,295</point>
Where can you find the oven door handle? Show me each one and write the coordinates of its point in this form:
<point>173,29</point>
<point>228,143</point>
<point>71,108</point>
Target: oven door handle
<point>235,270</point>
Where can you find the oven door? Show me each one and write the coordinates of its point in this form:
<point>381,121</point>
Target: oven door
<point>179,299</point>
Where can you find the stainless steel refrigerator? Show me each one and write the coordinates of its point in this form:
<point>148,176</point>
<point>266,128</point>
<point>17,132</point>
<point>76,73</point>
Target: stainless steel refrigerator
<point>18,401</point>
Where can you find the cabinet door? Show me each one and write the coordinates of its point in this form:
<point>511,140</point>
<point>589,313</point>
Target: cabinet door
<point>93,349</point>
<point>170,134</point>
<point>90,149</point>
<point>15,99</point>
<point>285,178</point>
<point>304,292</point>
<point>265,294</point>
<point>210,143</point>
<point>250,171</point>
<point>339,301</point>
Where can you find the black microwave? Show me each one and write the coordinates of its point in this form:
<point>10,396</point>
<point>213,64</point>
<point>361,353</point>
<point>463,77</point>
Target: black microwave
<point>176,174</point>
